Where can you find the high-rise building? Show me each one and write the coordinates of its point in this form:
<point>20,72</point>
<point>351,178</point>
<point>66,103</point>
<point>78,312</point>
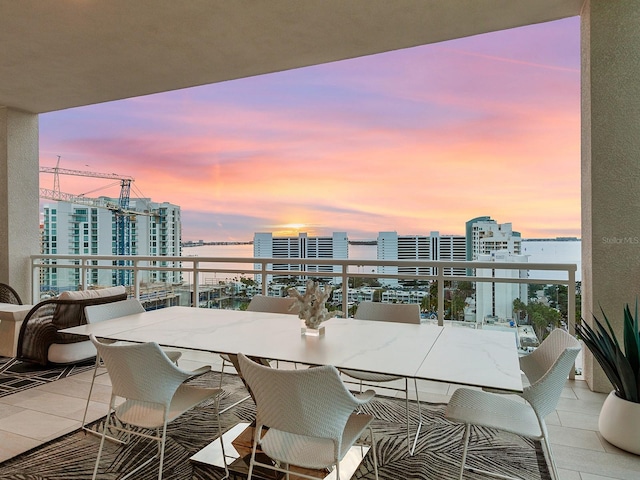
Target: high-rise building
<point>485,235</point>
<point>336,246</point>
<point>88,230</point>
<point>494,300</point>
<point>392,246</point>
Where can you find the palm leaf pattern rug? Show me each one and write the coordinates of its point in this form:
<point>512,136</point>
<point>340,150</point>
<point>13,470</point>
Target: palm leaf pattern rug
<point>438,452</point>
<point>16,375</point>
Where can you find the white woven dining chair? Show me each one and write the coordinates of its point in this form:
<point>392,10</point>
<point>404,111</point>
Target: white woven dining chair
<point>390,312</point>
<point>154,394</point>
<point>108,311</point>
<point>267,304</point>
<point>308,416</point>
<point>548,371</point>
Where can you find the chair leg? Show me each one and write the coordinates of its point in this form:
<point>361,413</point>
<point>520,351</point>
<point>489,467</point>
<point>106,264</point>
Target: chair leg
<point>406,406</point>
<point>465,441</point>
<point>375,455</point>
<point>93,379</point>
<point>104,434</point>
<point>224,455</point>
<point>162,443</point>
<point>83,425</point>
<point>256,436</point>
<point>224,362</point>
<point>415,440</point>
<point>412,447</point>
<point>550,460</point>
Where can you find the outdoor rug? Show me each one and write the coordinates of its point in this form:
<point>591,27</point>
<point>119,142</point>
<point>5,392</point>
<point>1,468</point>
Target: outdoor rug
<point>437,457</point>
<point>16,375</point>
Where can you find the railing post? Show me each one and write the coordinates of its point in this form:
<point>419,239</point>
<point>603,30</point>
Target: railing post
<point>84,273</point>
<point>196,284</point>
<point>263,269</point>
<point>345,292</point>
<point>571,299</point>
<point>440,281</point>
<point>136,276</point>
<point>35,281</point>
<point>571,311</point>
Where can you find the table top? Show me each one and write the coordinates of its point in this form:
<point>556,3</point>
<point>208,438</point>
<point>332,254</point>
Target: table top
<point>481,358</point>
<point>454,355</point>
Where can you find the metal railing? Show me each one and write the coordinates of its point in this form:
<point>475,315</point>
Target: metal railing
<point>196,268</point>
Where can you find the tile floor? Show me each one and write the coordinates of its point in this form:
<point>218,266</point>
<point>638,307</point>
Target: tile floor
<point>32,417</point>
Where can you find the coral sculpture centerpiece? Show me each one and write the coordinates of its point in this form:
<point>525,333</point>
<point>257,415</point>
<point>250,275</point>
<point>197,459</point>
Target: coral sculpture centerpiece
<point>311,305</point>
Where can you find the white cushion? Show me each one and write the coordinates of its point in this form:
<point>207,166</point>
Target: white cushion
<point>85,294</point>
<point>71,352</point>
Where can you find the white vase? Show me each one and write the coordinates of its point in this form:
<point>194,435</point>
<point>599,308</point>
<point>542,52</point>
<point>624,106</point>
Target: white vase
<point>619,423</point>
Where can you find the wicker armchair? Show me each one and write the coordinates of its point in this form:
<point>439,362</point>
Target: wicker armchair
<point>547,368</point>
<point>40,342</point>
<point>9,295</point>
<point>308,416</point>
<point>154,394</point>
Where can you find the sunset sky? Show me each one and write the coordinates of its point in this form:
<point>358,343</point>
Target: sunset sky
<point>416,140</point>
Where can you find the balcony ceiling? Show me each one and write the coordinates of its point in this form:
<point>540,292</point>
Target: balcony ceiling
<point>67,53</point>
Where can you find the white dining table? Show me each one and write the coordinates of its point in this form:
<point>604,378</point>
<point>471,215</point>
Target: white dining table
<point>429,352</point>
<point>449,354</point>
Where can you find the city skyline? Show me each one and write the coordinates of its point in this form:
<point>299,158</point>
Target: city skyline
<point>418,139</point>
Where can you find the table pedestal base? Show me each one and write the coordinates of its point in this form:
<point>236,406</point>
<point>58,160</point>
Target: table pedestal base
<point>238,452</point>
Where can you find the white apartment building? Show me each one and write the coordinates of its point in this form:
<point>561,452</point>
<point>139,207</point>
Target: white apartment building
<point>356,295</point>
<point>484,235</point>
<point>404,296</point>
<point>392,246</point>
<point>72,229</point>
<point>336,246</point>
<point>495,300</point>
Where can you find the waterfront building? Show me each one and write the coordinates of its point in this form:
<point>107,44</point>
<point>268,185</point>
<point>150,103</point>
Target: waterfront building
<point>336,246</point>
<point>494,301</point>
<point>392,246</point>
<point>404,296</point>
<point>74,229</point>
<point>484,235</point>
<point>356,295</point>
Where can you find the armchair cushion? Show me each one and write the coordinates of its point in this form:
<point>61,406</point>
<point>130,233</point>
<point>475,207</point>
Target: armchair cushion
<point>40,328</point>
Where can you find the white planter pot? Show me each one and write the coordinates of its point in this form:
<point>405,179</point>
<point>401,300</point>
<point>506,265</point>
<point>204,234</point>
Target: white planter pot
<point>619,423</point>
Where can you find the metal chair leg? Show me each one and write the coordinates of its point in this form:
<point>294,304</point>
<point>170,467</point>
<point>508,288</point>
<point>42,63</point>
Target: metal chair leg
<point>467,433</point>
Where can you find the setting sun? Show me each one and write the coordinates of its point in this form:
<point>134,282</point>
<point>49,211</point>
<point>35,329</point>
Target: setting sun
<point>290,229</point>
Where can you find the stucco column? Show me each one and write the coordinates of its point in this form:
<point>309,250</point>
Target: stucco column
<point>610,164</point>
<point>19,193</point>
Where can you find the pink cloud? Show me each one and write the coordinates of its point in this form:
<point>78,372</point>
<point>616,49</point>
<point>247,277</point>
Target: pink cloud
<point>413,141</point>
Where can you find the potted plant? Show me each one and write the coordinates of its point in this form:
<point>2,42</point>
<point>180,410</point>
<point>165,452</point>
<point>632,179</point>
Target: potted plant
<point>619,421</point>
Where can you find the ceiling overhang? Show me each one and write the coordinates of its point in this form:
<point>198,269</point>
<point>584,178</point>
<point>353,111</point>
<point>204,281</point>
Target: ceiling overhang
<point>68,53</point>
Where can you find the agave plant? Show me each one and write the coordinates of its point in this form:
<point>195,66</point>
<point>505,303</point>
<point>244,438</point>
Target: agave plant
<point>622,368</point>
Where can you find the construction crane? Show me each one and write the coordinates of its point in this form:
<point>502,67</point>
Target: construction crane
<point>121,209</point>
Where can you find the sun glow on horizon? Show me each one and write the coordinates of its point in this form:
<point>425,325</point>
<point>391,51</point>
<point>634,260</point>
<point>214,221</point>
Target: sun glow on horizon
<point>291,229</point>
<point>416,140</point>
